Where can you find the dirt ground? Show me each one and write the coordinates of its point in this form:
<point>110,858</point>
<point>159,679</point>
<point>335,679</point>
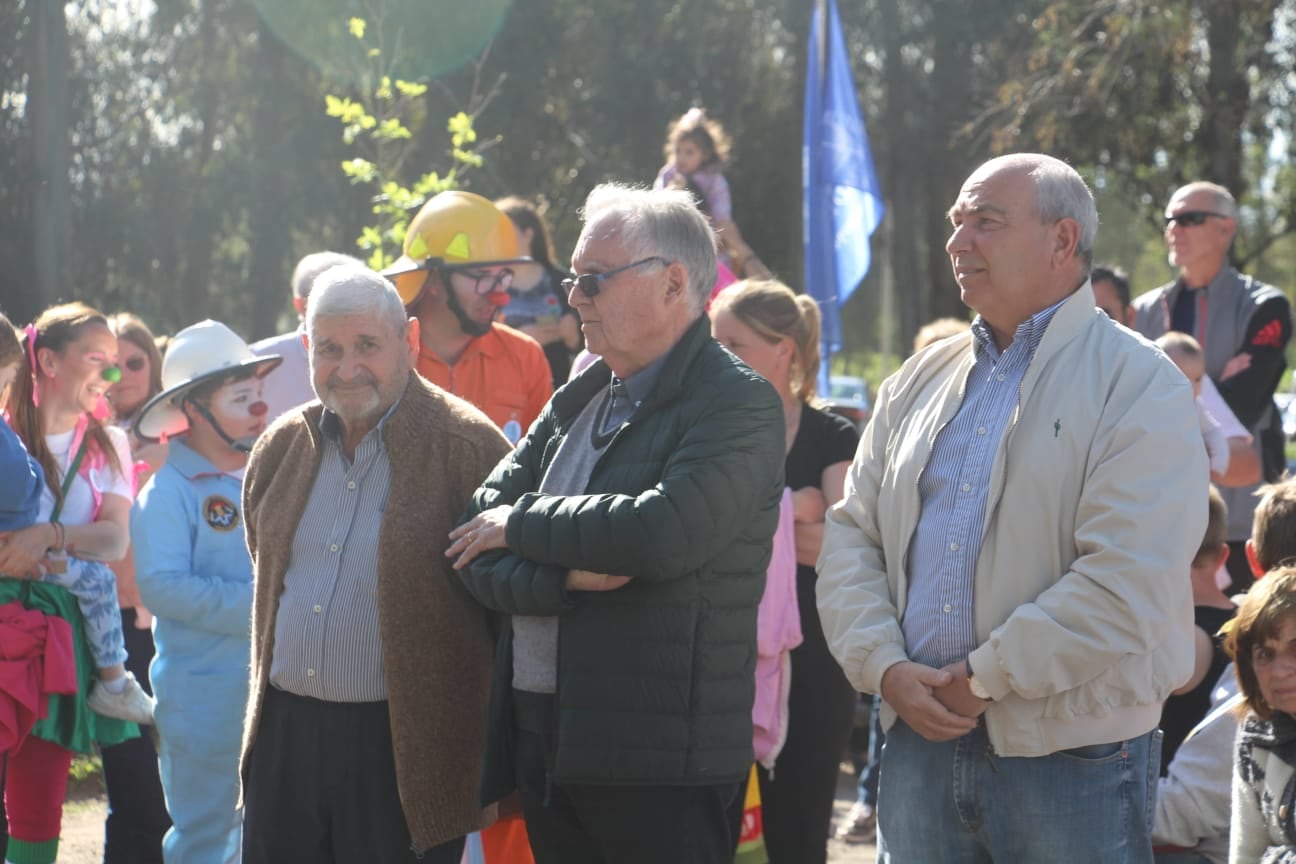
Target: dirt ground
<point>83,819</point>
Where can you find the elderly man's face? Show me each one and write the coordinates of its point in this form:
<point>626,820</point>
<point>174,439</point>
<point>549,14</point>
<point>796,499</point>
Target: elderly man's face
<point>1203,245</point>
<point>360,364</point>
<point>628,313</point>
<point>999,249</point>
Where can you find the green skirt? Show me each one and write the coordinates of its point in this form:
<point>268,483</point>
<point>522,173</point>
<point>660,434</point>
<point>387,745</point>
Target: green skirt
<point>70,723</point>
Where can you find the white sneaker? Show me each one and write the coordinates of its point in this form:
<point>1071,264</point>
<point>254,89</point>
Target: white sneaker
<point>131,704</point>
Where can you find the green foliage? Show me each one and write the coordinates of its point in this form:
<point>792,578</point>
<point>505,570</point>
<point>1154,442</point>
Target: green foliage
<point>382,122</point>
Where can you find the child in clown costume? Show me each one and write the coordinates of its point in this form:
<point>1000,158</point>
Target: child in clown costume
<point>195,575</point>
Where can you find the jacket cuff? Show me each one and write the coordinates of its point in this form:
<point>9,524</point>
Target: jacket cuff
<point>867,675</point>
<point>989,674</point>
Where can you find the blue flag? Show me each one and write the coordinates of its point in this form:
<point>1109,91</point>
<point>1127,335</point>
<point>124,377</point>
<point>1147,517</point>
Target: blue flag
<point>842,203</point>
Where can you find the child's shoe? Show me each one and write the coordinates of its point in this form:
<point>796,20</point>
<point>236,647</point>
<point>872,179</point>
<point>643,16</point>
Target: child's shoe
<point>132,703</point>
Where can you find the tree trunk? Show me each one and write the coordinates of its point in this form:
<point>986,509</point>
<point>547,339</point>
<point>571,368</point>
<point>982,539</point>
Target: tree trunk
<point>49,112</point>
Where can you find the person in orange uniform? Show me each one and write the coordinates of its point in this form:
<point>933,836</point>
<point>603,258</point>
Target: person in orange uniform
<point>461,253</point>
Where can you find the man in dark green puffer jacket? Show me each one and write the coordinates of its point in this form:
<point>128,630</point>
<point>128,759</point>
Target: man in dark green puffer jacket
<point>627,539</point>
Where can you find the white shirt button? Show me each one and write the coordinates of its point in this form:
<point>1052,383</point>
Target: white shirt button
<point>981,431</point>
<point>948,608</point>
<point>351,485</point>
<point>967,487</point>
<point>318,609</point>
<point>310,673</point>
<point>953,547</point>
<point>1002,377</point>
<point>333,548</point>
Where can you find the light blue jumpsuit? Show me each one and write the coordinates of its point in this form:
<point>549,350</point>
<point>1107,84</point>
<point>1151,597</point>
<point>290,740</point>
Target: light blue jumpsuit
<point>195,576</point>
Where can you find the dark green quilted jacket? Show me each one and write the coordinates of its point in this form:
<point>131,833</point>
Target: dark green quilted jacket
<point>655,679</point>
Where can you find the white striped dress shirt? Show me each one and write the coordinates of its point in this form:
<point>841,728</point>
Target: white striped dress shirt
<point>327,644</point>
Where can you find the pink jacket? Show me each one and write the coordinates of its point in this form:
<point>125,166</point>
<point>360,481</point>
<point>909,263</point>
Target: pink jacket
<point>36,660</point>
<point>778,631</point>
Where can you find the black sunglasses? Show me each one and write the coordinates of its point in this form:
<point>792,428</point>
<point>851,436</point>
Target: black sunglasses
<point>136,363</point>
<point>588,283</point>
<point>1193,218</point>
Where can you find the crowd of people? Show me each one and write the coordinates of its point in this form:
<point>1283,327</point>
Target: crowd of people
<point>415,581</point>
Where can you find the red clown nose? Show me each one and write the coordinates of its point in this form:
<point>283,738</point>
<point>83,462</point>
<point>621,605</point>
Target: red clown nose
<point>257,409</point>
<point>498,298</point>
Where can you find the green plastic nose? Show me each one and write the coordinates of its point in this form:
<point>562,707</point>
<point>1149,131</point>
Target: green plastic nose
<point>112,374</point>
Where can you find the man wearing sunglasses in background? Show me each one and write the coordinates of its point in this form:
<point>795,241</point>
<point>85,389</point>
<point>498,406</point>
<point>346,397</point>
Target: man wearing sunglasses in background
<point>461,254</point>
<point>626,541</point>
<point>1243,326</point>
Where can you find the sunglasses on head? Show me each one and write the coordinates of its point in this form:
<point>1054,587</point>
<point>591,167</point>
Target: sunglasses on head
<point>589,285</point>
<point>1193,218</point>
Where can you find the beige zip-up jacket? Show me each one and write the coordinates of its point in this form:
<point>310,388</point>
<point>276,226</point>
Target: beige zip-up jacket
<point>1097,503</point>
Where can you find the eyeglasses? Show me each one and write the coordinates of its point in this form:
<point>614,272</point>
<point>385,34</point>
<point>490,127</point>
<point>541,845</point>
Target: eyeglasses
<point>486,283</point>
<point>136,363</point>
<point>588,283</point>
<point>1193,218</point>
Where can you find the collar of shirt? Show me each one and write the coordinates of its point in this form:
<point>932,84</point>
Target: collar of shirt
<point>189,461</point>
<point>1029,333</point>
<point>635,388</point>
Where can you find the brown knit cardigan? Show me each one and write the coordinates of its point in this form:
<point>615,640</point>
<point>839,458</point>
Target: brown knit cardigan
<point>437,642</point>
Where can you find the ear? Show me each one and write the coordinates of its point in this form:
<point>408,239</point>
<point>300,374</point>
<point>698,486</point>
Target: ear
<point>677,281</point>
<point>1224,551</point>
<point>1066,240</point>
<point>46,361</point>
<point>306,341</point>
<point>1256,570</point>
<point>1130,315</point>
<point>299,304</point>
<point>412,341</point>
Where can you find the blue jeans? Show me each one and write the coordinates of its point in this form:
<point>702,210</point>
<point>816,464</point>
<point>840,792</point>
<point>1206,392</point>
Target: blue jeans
<point>957,802</point>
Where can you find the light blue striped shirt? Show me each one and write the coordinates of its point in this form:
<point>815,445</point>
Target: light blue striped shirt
<point>938,622</point>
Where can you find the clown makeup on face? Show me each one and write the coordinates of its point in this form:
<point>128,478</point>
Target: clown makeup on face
<point>238,408</point>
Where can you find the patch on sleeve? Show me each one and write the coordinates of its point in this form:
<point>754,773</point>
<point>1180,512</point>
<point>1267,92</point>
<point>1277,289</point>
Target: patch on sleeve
<point>220,513</point>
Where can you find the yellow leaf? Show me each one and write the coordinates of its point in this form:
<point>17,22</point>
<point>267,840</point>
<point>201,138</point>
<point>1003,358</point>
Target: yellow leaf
<point>357,27</point>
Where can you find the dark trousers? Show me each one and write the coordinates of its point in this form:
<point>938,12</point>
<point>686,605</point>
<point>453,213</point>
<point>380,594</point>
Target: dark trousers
<point>321,787</point>
<point>797,799</point>
<point>137,814</point>
<point>587,824</point>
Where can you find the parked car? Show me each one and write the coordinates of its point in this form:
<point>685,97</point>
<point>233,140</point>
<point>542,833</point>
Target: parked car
<point>849,397</point>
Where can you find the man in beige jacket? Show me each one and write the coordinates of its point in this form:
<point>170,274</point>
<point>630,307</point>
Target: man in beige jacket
<point>1009,565</point>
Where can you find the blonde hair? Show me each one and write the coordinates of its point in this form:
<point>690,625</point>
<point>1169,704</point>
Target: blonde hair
<point>773,311</point>
<point>935,331</point>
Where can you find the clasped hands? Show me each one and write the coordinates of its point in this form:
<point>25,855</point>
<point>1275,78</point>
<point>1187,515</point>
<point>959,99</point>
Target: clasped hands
<point>487,530</point>
<point>24,554</point>
<point>935,703</point>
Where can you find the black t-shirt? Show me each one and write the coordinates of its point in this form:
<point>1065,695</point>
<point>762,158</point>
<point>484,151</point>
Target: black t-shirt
<point>823,439</point>
<point>1181,713</point>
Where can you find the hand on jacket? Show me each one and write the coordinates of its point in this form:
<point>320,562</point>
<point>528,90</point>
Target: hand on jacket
<point>913,690</point>
<point>483,532</point>
<point>584,580</point>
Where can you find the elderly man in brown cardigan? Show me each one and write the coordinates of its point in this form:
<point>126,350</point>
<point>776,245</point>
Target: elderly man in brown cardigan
<point>371,664</point>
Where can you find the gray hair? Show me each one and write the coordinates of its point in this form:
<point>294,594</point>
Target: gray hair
<point>354,290</point>
<point>309,268</point>
<point>1060,193</point>
<point>1224,204</point>
<point>665,222</point>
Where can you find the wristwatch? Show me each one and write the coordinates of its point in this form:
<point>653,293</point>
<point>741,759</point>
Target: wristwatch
<point>978,689</point>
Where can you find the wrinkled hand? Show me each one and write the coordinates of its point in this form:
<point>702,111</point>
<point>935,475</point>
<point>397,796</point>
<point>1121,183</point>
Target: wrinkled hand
<point>584,580</point>
<point>809,505</point>
<point>1240,363</point>
<point>910,688</point>
<point>482,533</point>
<point>22,552</point>
<point>957,696</point>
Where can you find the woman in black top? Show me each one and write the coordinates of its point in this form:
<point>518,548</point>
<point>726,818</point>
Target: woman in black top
<point>776,332</point>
